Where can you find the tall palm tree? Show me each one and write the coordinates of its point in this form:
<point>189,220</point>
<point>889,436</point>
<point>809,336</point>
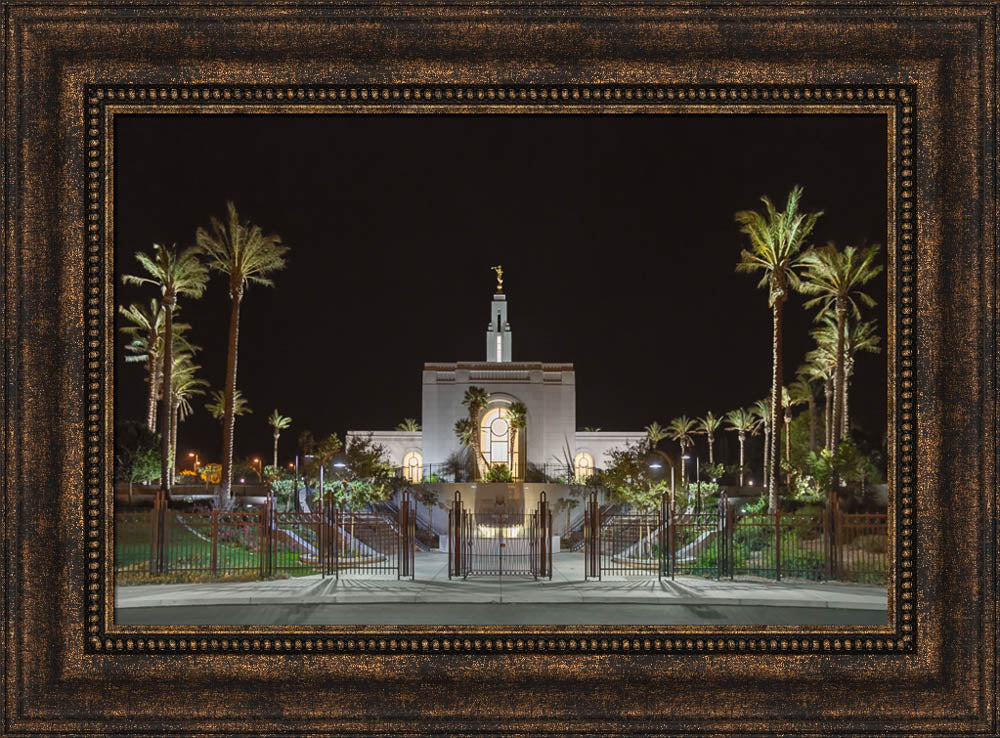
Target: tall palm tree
<point>776,240</point>
<point>177,275</point>
<point>681,430</point>
<point>836,278</point>
<point>243,253</point>
<point>708,426</point>
<point>802,392</point>
<point>409,424</point>
<point>762,409</point>
<point>279,423</point>
<point>185,386</point>
<point>743,422</point>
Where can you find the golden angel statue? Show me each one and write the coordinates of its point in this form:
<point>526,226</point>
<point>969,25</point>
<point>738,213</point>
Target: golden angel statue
<point>499,271</point>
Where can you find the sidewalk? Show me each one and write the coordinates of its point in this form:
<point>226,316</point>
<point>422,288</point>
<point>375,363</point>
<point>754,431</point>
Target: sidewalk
<point>432,586</point>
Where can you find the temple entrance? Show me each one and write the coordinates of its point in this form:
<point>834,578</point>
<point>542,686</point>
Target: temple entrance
<point>502,541</point>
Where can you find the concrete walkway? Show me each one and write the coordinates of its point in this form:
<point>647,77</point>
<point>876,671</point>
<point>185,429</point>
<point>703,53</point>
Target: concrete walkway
<point>431,586</point>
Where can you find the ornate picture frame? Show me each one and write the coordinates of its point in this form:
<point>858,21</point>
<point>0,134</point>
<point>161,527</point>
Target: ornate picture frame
<point>69,70</point>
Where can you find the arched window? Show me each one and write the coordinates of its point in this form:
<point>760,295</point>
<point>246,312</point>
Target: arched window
<point>413,467</point>
<point>583,465</point>
<point>498,439</point>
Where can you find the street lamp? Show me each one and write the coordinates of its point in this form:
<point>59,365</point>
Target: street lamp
<point>260,476</point>
<point>197,460</point>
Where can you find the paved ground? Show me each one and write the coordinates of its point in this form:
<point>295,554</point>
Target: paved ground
<point>431,598</point>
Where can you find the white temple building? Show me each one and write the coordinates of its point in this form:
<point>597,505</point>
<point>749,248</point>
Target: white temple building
<point>548,445</point>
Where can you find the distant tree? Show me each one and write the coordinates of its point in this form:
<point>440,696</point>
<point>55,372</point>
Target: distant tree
<point>708,426</point>
<point>681,430</point>
<point>591,429</point>
<point>409,424</point>
<point>137,454</point>
<point>467,429</point>
<point>428,496</point>
<point>762,409</point>
<point>279,423</point>
<point>186,384</point>
<point>655,433</point>
<point>744,423</point>
<point>776,240</point>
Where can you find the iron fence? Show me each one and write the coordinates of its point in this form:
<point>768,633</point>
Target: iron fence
<point>264,542</point>
<point>725,544</point>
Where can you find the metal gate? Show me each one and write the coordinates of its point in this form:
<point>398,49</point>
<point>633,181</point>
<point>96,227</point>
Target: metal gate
<point>501,543</point>
<point>625,544</point>
<point>369,543</point>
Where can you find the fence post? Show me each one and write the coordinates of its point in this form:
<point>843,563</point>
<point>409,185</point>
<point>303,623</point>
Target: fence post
<point>777,542</point>
<point>215,540</point>
<point>545,545</point>
<point>723,535</point>
<point>153,534</point>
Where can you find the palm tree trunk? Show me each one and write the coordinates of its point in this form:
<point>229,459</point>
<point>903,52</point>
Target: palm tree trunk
<point>711,459</point>
<point>173,440</point>
<point>742,437</point>
<point>788,446</point>
<point>838,388</point>
<point>777,380</point>
<point>275,451</point>
<point>168,338</point>
<point>828,416</point>
<point>847,394</point>
<point>151,407</point>
<point>767,446</point>
<point>236,294</point>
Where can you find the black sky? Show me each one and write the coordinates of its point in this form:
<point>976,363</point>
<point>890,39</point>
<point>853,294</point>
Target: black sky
<point>615,232</point>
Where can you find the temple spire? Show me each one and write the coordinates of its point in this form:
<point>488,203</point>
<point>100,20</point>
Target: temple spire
<point>498,332</point>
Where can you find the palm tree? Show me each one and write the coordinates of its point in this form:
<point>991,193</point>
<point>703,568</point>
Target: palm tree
<point>279,423</point>
<point>467,429</point>
<point>517,414</point>
<point>176,274</point>
<point>776,239</point>
<point>243,253</point>
<point>591,429</point>
<point>217,405</point>
<point>146,333</point>
<point>822,363</point>
<point>185,386</point>
<point>409,425</point>
<point>708,426</point>
<point>742,421</point>
<point>681,429</point>
<point>790,397</point>
<point>835,277</point>
<point>655,433</point>
<point>146,346</point>
<point>762,409</point>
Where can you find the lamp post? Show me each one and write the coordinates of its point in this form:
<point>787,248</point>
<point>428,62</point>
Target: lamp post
<point>197,460</point>
<point>260,476</point>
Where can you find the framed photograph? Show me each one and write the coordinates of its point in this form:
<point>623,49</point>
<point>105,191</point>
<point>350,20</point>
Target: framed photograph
<point>489,369</point>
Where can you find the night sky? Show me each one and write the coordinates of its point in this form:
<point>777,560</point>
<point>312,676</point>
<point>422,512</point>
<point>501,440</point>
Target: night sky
<point>615,232</point>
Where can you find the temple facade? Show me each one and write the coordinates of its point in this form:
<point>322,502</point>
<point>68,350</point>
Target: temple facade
<point>547,444</point>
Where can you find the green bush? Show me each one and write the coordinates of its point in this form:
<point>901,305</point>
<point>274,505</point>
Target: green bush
<point>498,473</point>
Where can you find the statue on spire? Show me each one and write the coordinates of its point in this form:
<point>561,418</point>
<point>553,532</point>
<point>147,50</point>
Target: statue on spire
<point>499,271</point>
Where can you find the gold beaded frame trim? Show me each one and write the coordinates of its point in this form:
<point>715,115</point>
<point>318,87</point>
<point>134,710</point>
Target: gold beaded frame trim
<point>103,102</point>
